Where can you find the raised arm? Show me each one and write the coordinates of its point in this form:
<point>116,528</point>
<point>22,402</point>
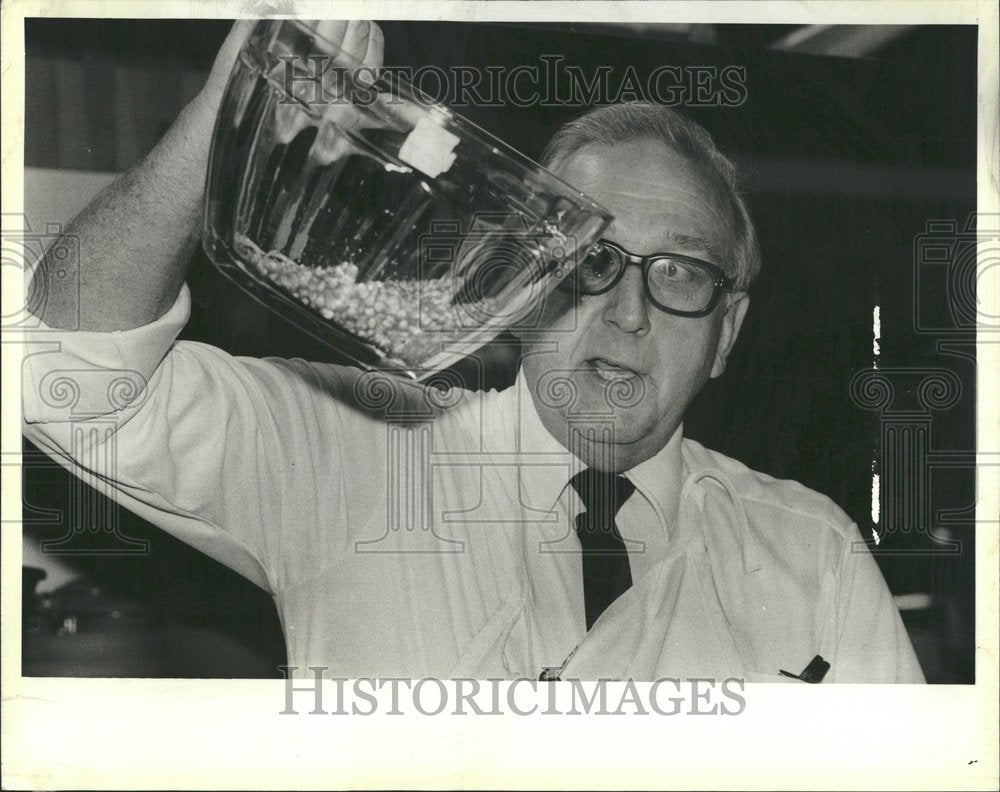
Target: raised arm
<point>222,452</point>
<point>137,236</point>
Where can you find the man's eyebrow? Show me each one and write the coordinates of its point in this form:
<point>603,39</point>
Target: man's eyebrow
<point>686,241</point>
<point>698,244</point>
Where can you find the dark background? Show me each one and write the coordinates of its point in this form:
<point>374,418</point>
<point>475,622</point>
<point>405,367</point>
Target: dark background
<point>847,161</point>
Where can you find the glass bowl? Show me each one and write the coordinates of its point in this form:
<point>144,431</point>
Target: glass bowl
<point>382,223</point>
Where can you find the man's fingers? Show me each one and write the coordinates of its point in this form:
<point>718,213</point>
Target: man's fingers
<point>351,44</point>
<point>359,41</point>
<point>376,46</point>
<point>331,30</point>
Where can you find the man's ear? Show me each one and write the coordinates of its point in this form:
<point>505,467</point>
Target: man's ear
<point>732,321</point>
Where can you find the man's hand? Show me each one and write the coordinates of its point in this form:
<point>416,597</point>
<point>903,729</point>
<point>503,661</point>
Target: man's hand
<point>358,42</point>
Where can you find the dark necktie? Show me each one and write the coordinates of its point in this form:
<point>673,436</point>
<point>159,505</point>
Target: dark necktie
<point>606,573</point>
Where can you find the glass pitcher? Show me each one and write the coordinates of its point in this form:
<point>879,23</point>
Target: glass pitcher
<point>380,222</point>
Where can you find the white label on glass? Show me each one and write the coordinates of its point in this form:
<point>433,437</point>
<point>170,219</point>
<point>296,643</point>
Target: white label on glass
<point>429,148</point>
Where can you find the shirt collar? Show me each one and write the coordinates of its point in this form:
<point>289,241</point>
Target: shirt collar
<point>547,466</point>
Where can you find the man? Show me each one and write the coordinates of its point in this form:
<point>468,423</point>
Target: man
<point>563,526</point>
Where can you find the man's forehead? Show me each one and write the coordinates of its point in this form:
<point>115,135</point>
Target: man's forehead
<point>641,161</point>
<point>659,198</point>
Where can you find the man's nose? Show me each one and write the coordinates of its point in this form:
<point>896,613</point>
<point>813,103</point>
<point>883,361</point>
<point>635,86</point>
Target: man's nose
<point>627,308</point>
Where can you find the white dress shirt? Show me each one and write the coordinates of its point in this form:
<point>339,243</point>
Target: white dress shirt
<point>407,533</point>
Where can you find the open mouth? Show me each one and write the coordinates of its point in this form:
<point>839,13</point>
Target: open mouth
<point>611,372</point>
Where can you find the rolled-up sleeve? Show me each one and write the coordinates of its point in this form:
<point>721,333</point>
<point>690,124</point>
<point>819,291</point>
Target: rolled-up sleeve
<point>79,374</point>
<point>220,451</point>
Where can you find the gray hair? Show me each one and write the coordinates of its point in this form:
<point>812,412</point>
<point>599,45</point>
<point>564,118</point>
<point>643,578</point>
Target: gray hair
<point>630,121</point>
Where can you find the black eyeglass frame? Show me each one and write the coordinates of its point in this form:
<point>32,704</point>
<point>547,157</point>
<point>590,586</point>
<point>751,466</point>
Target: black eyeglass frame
<point>720,281</point>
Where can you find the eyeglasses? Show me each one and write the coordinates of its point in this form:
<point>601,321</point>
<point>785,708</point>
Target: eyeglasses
<point>679,285</point>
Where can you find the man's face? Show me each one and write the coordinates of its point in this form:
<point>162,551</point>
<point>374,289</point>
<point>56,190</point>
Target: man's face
<point>628,363</point>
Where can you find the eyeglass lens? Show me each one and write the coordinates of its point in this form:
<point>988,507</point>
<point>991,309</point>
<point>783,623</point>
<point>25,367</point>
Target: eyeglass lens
<point>673,283</point>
